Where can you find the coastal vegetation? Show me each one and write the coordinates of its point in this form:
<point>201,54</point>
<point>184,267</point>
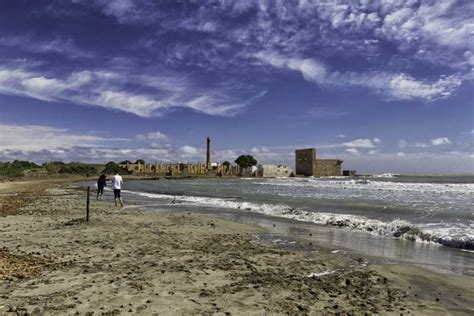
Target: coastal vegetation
<point>23,168</point>
<point>245,161</point>
<point>18,168</point>
<point>113,168</point>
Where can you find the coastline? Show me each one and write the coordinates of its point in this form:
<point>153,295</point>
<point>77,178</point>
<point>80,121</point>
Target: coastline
<point>137,262</point>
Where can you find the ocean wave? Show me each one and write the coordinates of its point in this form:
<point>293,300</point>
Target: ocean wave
<point>396,228</point>
<point>371,185</point>
<point>385,175</point>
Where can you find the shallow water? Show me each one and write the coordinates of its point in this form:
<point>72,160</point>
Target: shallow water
<point>438,211</point>
<point>404,217</point>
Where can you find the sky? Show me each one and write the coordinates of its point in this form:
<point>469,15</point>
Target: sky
<point>385,85</point>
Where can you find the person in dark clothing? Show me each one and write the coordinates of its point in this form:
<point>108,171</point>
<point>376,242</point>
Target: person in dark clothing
<point>101,184</point>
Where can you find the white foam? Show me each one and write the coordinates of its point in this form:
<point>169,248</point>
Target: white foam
<point>364,184</point>
<point>397,228</point>
<point>385,175</point>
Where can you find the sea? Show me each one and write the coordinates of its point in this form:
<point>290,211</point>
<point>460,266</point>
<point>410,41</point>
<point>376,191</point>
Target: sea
<point>426,220</point>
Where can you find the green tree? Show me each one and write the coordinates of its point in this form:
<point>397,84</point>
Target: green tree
<point>140,161</point>
<point>125,162</point>
<point>245,161</point>
<point>226,163</point>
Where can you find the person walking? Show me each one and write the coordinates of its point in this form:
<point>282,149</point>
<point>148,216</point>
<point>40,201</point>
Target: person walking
<point>101,184</point>
<point>117,182</point>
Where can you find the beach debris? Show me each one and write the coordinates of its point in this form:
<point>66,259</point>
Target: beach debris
<point>319,274</point>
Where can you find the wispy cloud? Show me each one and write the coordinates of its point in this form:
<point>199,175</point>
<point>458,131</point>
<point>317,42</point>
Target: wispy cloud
<point>310,69</point>
<point>108,89</point>
<point>35,137</point>
<point>397,86</point>
<point>244,39</point>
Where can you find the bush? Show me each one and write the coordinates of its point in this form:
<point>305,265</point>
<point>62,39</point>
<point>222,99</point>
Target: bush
<point>113,168</point>
<point>78,168</point>
<point>53,166</point>
<point>17,168</point>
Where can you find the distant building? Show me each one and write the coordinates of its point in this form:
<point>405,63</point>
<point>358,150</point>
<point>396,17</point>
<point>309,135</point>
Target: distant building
<point>308,165</point>
<point>349,173</point>
<point>305,161</point>
<point>271,171</point>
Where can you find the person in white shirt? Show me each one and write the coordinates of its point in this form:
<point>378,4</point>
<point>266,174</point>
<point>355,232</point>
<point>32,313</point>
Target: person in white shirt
<point>117,186</point>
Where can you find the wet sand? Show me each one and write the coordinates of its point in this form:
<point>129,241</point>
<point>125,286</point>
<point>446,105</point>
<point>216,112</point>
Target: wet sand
<point>134,262</point>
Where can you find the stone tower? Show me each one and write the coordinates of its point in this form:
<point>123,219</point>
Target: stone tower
<point>208,154</point>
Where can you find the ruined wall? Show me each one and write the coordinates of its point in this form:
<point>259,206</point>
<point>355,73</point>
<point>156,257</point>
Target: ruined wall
<point>182,169</point>
<point>305,161</point>
<point>271,171</point>
<point>327,167</point>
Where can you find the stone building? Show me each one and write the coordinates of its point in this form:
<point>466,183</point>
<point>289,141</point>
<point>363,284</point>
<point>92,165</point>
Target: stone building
<point>308,165</point>
<point>305,161</point>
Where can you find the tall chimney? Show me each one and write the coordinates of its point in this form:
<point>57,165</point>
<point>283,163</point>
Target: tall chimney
<point>208,156</point>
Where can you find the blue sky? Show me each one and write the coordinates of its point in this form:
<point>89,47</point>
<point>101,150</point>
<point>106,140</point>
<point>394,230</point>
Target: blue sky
<point>383,85</point>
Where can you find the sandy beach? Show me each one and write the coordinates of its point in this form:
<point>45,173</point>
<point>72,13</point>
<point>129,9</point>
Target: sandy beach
<point>125,261</point>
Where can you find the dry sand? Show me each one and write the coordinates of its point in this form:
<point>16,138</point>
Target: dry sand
<point>133,262</point>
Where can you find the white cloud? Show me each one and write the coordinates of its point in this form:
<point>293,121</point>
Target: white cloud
<point>309,68</point>
<point>154,136</point>
<point>374,152</point>
<point>444,23</point>
<point>157,136</point>
<point>402,143</point>
<point>401,154</point>
<point>255,150</point>
<point>227,154</point>
<point>188,151</point>
<point>440,141</point>
<point>405,87</point>
<point>341,136</point>
<point>399,86</point>
<point>377,140</point>
<point>360,143</point>
<point>353,151</point>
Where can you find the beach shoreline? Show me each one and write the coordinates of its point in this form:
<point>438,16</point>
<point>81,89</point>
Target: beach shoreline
<point>136,262</point>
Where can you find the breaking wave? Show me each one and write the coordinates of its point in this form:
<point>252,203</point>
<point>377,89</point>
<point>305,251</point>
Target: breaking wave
<point>455,238</point>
